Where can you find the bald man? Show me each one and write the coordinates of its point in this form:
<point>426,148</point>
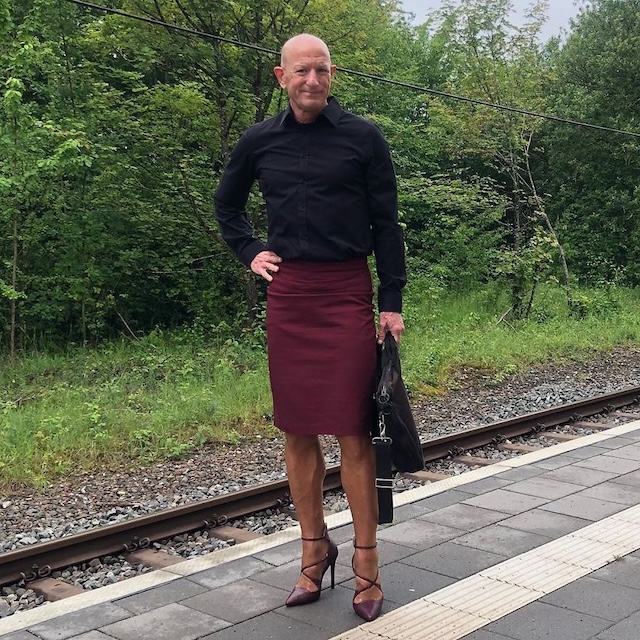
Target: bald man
<point>331,201</point>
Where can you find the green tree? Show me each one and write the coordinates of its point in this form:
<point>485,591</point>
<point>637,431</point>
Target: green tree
<point>490,59</point>
<point>593,175</point>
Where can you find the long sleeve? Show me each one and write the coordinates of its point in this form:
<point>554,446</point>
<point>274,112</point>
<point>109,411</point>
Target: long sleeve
<point>388,242</point>
<point>231,201</point>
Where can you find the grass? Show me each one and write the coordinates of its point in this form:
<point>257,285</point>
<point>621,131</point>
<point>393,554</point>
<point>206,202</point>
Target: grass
<point>165,395</point>
<point>146,400</point>
<point>469,331</point>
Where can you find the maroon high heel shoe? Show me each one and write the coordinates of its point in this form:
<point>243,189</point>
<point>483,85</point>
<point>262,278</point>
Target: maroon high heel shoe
<point>300,596</point>
<point>368,610</point>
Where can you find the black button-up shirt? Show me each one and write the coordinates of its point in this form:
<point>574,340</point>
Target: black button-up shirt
<point>330,191</point>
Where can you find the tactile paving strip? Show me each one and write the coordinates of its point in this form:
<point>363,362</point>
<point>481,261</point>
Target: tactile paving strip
<point>467,605</point>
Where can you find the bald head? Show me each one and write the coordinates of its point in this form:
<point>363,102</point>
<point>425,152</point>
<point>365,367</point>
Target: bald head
<point>303,42</point>
<point>305,71</point>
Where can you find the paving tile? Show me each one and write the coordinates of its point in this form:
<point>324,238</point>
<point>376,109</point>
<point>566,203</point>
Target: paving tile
<point>614,492</point>
<point>73,624</point>
<point>229,572</point>
<point>389,552</point>
<point>418,534</point>
<point>589,451</point>
<point>454,560</point>
<point>166,623</point>
<point>610,463</point>
<point>487,484</point>
<point>285,553</point>
<point>610,601</point>
<point>19,635</point>
<point>93,635</point>
<point>239,600</point>
<point>403,583</point>
<point>285,576</point>
<point>624,630</point>
<point>342,534</point>
<point>160,596</point>
<point>630,452</point>
<point>269,626</point>
<point>481,634</point>
<point>408,511</point>
<point>464,516</point>
<point>583,507</point>
<point>502,540</point>
<point>632,479</point>
<point>579,475</point>
<point>444,499</point>
<point>506,501</point>
<point>522,473</point>
<point>282,554</point>
<point>545,488</point>
<point>541,621</point>
<point>625,571</point>
<point>333,613</point>
<point>546,523</point>
<point>556,462</point>
<point>615,443</point>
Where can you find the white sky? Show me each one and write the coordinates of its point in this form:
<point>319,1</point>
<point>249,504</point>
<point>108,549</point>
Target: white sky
<point>559,12</point>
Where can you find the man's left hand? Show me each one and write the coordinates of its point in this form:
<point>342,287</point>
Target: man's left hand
<point>390,321</point>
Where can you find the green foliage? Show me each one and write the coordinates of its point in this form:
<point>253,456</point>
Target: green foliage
<point>592,175</point>
<point>113,134</point>
<point>460,338</point>
<point>451,228</point>
<point>143,400</point>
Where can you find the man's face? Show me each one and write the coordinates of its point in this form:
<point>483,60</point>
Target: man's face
<point>306,75</point>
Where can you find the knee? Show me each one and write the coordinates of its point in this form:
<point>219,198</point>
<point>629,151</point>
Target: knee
<point>356,448</point>
<point>301,445</point>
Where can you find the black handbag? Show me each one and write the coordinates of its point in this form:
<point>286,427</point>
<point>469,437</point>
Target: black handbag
<point>395,437</point>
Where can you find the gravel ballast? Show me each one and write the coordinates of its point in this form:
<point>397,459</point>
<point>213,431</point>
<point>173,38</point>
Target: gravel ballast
<point>77,504</point>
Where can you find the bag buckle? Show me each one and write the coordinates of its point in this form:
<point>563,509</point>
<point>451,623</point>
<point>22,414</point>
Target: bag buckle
<point>384,483</point>
<point>382,426</point>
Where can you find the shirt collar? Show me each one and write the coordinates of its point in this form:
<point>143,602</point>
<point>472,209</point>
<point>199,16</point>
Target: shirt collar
<point>331,112</point>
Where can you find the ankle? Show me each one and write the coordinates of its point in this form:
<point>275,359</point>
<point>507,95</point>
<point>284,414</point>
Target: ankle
<point>323,536</point>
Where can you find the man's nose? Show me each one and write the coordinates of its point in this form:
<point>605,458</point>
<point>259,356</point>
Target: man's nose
<point>312,78</point>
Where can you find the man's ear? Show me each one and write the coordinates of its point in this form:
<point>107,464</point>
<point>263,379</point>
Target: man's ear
<point>279,74</point>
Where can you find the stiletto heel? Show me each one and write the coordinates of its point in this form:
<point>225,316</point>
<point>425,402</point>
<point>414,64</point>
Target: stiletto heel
<point>300,596</point>
<point>367,609</point>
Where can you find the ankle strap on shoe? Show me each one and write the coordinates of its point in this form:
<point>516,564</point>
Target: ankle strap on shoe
<point>322,537</point>
<point>357,546</point>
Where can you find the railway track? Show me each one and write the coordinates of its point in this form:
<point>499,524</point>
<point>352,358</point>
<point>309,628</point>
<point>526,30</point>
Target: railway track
<point>35,563</point>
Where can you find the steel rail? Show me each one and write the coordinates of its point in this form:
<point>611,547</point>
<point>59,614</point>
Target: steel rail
<point>37,561</point>
<point>528,423</point>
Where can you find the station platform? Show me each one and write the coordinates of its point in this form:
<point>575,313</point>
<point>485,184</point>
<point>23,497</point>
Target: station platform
<point>542,546</point>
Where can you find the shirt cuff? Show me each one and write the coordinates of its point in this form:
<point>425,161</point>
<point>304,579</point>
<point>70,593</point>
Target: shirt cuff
<point>251,251</point>
<point>390,301</point>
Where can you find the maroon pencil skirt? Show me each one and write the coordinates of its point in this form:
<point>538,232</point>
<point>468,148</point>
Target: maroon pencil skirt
<point>322,347</point>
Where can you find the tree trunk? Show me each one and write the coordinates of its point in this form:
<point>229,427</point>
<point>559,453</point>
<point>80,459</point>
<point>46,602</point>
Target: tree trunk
<point>14,285</point>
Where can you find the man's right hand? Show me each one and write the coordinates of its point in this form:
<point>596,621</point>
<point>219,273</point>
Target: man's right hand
<point>264,263</point>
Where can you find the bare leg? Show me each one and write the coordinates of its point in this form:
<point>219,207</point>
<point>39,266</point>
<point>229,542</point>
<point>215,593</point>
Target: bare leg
<point>358,479</point>
<point>305,470</point>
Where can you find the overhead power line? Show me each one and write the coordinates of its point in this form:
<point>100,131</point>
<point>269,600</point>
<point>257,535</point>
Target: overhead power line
<point>361,74</point>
